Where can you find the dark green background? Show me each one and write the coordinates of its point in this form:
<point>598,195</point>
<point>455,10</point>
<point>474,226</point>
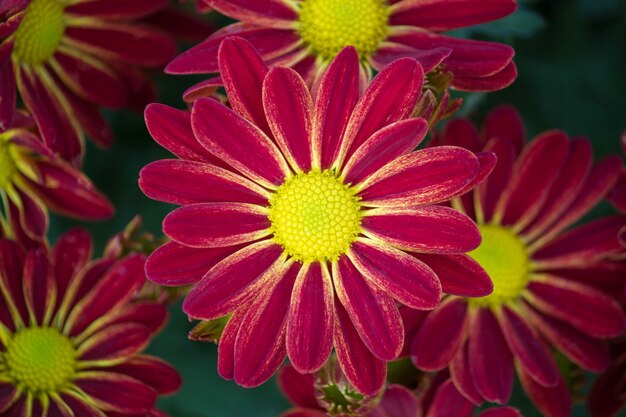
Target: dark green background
<point>571,57</point>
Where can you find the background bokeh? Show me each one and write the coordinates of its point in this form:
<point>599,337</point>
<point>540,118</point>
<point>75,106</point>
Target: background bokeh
<point>571,56</point>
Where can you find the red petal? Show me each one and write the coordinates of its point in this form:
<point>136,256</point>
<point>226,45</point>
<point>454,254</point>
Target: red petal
<point>505,121</point>
<point>440,336</point>
<point>275,13</point>
<point>490,361</point>
<point>501,412</point>
<point>491,191</point>
<point>402,276</point>
<point>154,372</point>
<point>116,392</point>
<point>226,346</point>
<point>284,89</point>
<point>116,8</point>
<point>397,401</point>
<point>373,313</point>
<point>114,342</point>
<point>433,229</point>
<point>173,264</point>
<point>551,401</point>
<point>311,319</point>
<point>422,177</point>
<point>449,402</point>
<point>233,282</point>
<point>459,274</point>
<point>71,253</point>
<point>39,288</point>
<point>389,51</point>
<point>297,387</point>
<point>365,371</point>
<point>461,376</point>
<point>497,81</point>
<point>8,93</point>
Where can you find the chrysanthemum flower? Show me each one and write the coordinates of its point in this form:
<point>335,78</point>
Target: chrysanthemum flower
<point>307,34</point>
<point>543,273</point>
<point>70,336</point>
<point>68,58</point>
<point>33,179</point>
<point>439,399</point>
<point>300,217</point>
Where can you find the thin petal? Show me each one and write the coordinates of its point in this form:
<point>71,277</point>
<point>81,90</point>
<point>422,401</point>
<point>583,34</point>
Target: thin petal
<point>39,287</point>
<point>373,313</point>
<point>233,281</point>
<point>272,12</point>
<point>433,229</point>
<point>253,153</point>
<point>71,253</point>
<point>226,346</point>
<point>501,412</point>
<point>492,189</point>
<point>389,51</point>
<point>399,274</point>
<point>284,89</point>
<point>506,122</point>
<point>462,376</point>
<point>154,372</point>
<point>449,402</point>
<point>551,401</point>
<point>114,343</point>
<point>459,274</point>
<point>116,392</point>
<point>7,92</point>
<point>211,225</point>
<point>311,319</point>
<point>440,336</point>
<point>297,387</point>
<point>422,177</point>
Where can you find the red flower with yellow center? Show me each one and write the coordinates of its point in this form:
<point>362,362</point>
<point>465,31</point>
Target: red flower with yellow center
<point>32,179</point>
<point>307,34</point>
<point>305,218</point>
<point>67,59</point>
<point>71,337</point>
<point>543,272</point>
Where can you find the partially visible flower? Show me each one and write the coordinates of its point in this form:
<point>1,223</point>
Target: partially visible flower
<point>608,393</point>
<point>67,59</point>
<point>439,399</point>
<point>33,179</point>
<point>307,219</point>
<point>307,34</point>
<point>71,337</point>
<point>544,272</point>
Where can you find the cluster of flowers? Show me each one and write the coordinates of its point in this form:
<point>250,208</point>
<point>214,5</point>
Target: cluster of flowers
<point>310,226</point>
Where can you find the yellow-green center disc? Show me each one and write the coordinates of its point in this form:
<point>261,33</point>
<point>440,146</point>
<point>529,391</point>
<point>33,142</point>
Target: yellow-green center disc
<point>40,32</point>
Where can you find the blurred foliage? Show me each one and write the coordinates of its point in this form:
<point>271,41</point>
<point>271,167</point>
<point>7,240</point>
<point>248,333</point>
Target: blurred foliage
<point>572,64</point>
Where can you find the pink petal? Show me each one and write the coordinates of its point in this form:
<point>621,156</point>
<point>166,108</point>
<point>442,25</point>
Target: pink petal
<point>390,97</point>
<point>364,370</point>
<point>399,274</point>
<point>233,281</point>
<point>383,147</point>
<point>440,15</point>
<point>226,346</point>
<point>494,82</point>
<point>173,264</point>
<point>535,171</point>
<point>565,188</point>
<point>528,349</point>
<point>260,345</point>
<point>253,153</point>
<point>189,182</point>
<point>589,353</point>
<point>490,361</point>
<point>206,88</point>
<point>422,177</point>
<point>311,319</point>
<point>587,309</point>
<point>440,336</point>
<point>449,402</point>
<point>373,313</point>
<point>432,229</point>
<point>337,95</point>
<point>211,225</point>
<point>242,70</point>
<point>270,42</point>
<point>551,401</point>
<point>467,58</point>
<point>284,89</point>
<point>459,274</point>
<point>276,13</point>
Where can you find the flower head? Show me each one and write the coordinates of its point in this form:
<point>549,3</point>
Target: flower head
<point>302,218</point>
<point>71,337</point>
<point>307,34</point>
<point>544,272</point>
<point>33,179</point>
<point>67,59</point>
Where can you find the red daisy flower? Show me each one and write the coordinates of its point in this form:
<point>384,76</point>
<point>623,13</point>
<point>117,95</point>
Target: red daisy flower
<point>440,399</point>
<point>307,34</point>
<point>71,337</point>
<point>543,274</point>
<point>33,179</point>
<point>66,60</point>
<point>299,216</point>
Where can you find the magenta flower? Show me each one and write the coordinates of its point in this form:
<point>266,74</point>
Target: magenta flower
<point>305,218</point>
<point>307,34</point>
<point>544,272</point>
<point>71,337</point>
<point>66,59</point>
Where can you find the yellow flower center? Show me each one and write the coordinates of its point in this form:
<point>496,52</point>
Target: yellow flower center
<point>40,32</point>
<point>7,163</point>
<point>327,26</point>
<point>315,216</point>
<point>40,360</point>
<point>505,258</point>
